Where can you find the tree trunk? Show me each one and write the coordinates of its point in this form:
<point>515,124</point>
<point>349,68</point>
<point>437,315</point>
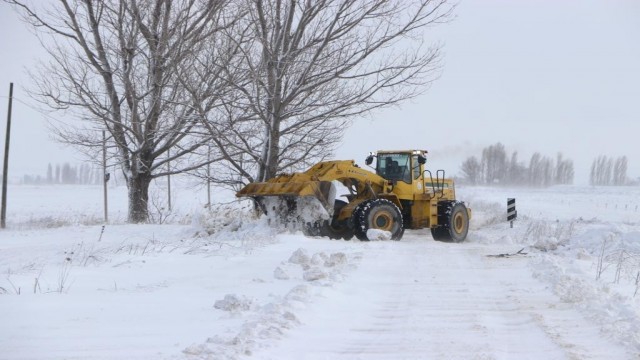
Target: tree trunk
<point>273,152</point>
<point>139,198</point>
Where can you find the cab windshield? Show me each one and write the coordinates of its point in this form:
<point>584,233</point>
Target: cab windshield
<point>394,167</point>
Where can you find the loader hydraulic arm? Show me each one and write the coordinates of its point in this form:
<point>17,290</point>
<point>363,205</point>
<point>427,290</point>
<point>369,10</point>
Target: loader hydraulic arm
<point>317,182</point>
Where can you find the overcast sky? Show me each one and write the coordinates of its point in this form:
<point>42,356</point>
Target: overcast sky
<point>536,75</point>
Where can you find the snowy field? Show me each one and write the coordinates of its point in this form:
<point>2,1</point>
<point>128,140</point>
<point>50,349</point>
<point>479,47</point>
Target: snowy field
<point>216,283</point>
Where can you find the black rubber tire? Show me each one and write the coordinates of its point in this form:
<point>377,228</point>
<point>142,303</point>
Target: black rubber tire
<point>378,214</point>
<point>355,222</point>
<point>335,229</point>
<point>440,233</point>
<point>453,220</point>
<point>331,229</point>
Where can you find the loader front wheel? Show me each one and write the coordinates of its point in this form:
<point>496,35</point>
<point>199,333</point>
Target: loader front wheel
<point>453,221</point>
<point>333,228</point>
<point>380,214</point>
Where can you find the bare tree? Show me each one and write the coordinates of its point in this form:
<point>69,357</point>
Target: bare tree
<point>494,163</point>
<point>472,170</point>
<point>620,171</point>
<point>494,168</point>
<point>309,68</point>
<point>49,174</point>
<point>601,171</point>
<point>564,170</point>
<point>119,66</point>
<point>534,169</point>
<point>517,172</point>
<point>541,170</point>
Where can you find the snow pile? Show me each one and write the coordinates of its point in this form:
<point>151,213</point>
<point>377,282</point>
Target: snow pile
<point>300,257</point>
<point>314,273</point>
<point>319,258</point>
<point>616,314</point>
<point>238,220</point>
<point>264,323</point>
<point>313,267</point>
<point>591,263</point>
<point>377,234</point>
<point>292,216</point>
<point>336,259</point>
<point>281,274</point>
<point>311,209</point>
<point>234,303</point>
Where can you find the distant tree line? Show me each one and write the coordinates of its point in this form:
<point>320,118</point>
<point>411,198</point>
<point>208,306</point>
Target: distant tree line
<point>607,171</point>
<point>83,174</point>
<point>496,167</point>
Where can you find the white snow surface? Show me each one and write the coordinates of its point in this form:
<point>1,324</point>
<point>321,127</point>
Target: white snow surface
<point>377,234</point>
<point>219,283</point>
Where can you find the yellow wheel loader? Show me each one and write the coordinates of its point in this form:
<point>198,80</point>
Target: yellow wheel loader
<point>400,195</point>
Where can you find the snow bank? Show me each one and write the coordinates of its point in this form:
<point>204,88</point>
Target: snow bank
<point>585,244</point>
<point>272,320</point>
<point>234,303</point>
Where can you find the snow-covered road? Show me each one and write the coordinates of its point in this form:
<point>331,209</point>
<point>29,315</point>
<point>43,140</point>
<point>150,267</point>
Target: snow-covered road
<point>420,299</point>
<point>223,285</point>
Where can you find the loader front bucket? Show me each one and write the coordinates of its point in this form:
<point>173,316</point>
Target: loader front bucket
<point>303,202</point>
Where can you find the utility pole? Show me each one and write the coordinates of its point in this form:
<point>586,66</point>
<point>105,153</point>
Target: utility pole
<point>105,175</point>
<point>5,168</point>
<point>169,179</point>
<point>209,177</point>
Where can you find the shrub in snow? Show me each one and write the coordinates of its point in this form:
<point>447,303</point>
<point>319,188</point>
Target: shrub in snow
<point>574,290</point>
<point>280,274</point>
<point>546,244</point>
<point>547,233</point>
<point>336,259</point>
<point>314,274</point>
<point>233,302</point>
<point>583,254</point>
<point>377,234</point>
<point>300,256</point>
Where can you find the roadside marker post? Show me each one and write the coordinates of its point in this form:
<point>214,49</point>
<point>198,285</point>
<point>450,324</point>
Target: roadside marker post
<point>512,214</point>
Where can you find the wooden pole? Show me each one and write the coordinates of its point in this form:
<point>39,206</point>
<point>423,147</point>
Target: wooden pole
<point>5,167</point>
<point>105,176</point>
<point>169,180</point>
<point>209,178</point>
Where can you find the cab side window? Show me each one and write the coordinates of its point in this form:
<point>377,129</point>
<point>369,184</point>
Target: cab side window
<point>416,166</point>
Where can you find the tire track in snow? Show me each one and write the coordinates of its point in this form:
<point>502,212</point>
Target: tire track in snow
<point>417,299</point>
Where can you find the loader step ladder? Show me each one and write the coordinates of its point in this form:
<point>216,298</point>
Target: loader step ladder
<point>438,186</point>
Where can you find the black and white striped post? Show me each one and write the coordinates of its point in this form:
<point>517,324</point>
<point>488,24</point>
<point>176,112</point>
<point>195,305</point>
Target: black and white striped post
<point>511,210</point>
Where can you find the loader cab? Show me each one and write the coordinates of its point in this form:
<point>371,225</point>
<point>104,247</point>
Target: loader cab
<point>394,166</point>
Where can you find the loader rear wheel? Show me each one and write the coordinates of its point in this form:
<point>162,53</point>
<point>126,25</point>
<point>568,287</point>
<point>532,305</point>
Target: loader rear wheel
<point>378,214</point>
<point>453,220</point>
